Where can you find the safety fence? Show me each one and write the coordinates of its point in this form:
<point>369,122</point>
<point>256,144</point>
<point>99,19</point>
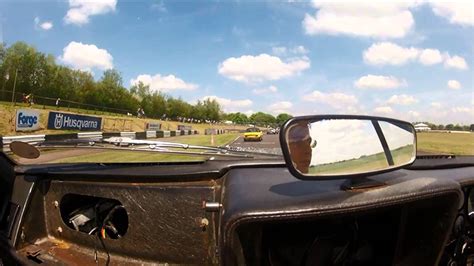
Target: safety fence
<point>22,99</point>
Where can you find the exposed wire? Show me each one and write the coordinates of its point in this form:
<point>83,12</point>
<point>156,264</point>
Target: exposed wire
<point>92,231</point>
<point>96,209</point>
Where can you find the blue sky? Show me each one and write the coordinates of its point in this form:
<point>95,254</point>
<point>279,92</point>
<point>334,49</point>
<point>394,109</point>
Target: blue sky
<point>411,60</point>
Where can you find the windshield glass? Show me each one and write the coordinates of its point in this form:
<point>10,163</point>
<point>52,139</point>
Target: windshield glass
<point>205,73</point>
<point>253,130</point>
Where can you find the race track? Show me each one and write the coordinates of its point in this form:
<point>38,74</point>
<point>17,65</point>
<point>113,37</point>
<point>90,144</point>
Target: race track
<point>269,144</point>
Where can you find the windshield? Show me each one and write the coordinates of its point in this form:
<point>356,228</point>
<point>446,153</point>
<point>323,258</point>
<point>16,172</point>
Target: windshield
<point>253,130</point>
<point>205,73</point>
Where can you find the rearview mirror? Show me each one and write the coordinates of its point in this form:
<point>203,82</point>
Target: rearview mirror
<point>341,146</point>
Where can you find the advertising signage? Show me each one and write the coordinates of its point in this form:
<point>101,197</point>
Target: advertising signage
<point>153,126</point>
<point>27,120</point>
<point>58,120</point>
<point>184,127</point>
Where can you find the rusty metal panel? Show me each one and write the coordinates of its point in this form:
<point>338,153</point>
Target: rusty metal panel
<point>167,222</point>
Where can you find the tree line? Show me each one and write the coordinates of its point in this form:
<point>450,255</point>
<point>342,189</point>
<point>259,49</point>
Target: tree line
<point>455,127</point>
<point>38,73</point>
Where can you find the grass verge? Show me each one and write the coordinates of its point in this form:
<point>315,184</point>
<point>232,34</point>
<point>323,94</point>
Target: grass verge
<point>365,163</point>
<point>446,143</point>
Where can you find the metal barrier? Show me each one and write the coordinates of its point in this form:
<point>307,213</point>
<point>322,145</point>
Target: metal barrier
<point>163,133</point>
<point>150,134</point>
<point>26,138</point>
<point>89,135</point>
<point>34,139</point>
<point>131,135</point>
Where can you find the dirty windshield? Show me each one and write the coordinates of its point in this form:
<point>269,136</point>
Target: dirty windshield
<point>149,81</point>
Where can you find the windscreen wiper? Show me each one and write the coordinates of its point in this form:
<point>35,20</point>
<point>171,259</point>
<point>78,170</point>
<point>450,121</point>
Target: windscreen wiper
<point>129,144</point>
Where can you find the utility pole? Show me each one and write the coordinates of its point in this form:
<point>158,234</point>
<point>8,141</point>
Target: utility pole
<point>3,86</point>
<point>14,86</point>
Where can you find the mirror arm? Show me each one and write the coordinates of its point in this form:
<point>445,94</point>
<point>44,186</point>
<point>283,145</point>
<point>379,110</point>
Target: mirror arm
<point>383,141</point>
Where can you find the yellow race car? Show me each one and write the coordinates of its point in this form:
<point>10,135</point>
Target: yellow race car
<point>253,133</point>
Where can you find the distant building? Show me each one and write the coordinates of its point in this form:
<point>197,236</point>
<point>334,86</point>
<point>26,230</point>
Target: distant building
<point>422,127</point>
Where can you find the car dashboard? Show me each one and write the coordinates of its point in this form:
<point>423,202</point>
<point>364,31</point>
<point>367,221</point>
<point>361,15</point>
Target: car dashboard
<point>229,213</point>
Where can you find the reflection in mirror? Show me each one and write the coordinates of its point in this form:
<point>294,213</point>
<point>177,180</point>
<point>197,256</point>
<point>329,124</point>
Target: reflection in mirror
<point>400,140</point>
<point>328,147</point>
<point>346,146</point>
<point>24,150</point>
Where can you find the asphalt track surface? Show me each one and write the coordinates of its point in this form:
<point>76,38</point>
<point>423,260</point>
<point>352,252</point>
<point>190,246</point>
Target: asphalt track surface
<point>269,144</point>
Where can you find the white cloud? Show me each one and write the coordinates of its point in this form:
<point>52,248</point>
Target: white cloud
<point>392,19</point>
<point>454,84</point>
<point>402,99</point>
<point>457,12</point>
<point>383,110</point>
<point>45,25</point>
<point>270,89</point>
<point>280,107</point>
<point>378,82</point>
<point>229,104</point>
<point>430,57</point>
<point>167,83</point>
<point>249,112</point>
<point>414,114</point>
<point>160,6</point>
<point>336,100</point>
<point>279,50</point>
<point>463,110</point>
<point>248,68</point>
<point>387,53</point>
<point>80,10</point>
<point>436,105</point>
<point>300,49</point>
<point>86,56</point>
<point>455,62</point>
<point>283,51</point>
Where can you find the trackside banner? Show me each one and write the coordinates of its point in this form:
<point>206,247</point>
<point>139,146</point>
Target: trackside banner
<point>27,120</point>
<point>58,120</point>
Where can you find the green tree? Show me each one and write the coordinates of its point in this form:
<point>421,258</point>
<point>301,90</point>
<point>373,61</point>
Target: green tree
<point>39,74</point>
<point>282,118</point>
<point>449,127</point>
<point>237,118</point>
<point>140,90</point>
<point>212,109</point>
<point>262,119</point>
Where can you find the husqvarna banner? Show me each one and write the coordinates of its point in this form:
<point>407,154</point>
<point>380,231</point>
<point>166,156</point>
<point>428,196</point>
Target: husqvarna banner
<point>58,120</point>
<point>27,120</point>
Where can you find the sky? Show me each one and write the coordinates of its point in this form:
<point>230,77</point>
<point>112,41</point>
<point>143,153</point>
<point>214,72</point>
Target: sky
<point>411,60</point>
<point>339,140</point>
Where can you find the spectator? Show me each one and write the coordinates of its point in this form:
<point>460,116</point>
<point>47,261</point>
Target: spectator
<point>57,102</point>
<point>29,99</point>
